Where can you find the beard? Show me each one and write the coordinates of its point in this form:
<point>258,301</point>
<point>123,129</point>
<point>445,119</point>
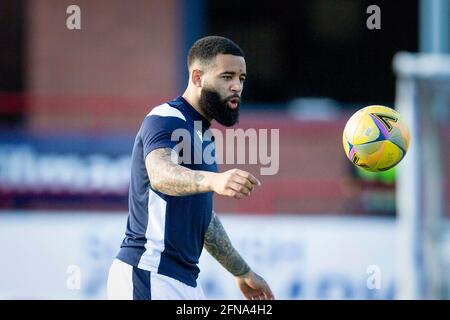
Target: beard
<point>217,108</point>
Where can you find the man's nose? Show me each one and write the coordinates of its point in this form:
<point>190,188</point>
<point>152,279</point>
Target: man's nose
<point>236,86</point>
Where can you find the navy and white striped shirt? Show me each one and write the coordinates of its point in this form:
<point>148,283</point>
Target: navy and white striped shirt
<point>165,234</point>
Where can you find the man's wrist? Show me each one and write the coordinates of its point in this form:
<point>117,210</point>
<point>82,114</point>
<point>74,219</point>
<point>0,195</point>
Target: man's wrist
<point>209,180</point>
<point>244,273</point>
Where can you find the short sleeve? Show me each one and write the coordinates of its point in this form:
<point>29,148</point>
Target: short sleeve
<point>156,132</point>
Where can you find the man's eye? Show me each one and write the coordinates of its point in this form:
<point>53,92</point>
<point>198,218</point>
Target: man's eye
<point>227,77</point>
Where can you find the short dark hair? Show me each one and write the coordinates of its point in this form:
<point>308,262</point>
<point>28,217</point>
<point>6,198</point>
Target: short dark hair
<point>207,48</point>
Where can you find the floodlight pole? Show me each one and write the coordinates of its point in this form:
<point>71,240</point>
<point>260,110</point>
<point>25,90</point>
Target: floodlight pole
<point>434,26</point>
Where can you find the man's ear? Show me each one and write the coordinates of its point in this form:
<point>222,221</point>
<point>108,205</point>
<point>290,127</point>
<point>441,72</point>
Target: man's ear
<point>196,77</point>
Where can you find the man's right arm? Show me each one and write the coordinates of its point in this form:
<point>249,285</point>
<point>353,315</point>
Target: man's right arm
<point>168,177</point>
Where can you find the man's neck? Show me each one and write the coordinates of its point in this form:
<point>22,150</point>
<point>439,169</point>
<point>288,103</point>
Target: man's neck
<point>194,102</point>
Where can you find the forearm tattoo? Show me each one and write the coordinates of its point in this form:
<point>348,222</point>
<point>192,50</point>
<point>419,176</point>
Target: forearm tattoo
<point>171,178</point>
<point>219,246</point>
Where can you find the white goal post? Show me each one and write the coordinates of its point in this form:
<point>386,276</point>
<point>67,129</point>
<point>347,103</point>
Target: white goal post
<point>423,100</point>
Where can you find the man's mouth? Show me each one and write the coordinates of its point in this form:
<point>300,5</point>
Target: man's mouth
<point>233,103</point>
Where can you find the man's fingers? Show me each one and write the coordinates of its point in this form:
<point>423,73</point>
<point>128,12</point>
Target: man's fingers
<point>234,194</point>
<point>243,181</point>
<point>268,295</point>
<point>239,196</point>
<point>239,188</point>
<point>248,176</point>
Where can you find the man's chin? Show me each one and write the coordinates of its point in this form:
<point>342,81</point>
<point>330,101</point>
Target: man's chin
<point>233,109</point>
<point>228,122</point>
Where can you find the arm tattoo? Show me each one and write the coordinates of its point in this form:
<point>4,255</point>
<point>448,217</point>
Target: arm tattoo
<point>171,178</point>
<point>219,246</point>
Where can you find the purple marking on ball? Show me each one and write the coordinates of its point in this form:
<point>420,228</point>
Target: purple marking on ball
<point>380,126</point>
<point>352,153</point>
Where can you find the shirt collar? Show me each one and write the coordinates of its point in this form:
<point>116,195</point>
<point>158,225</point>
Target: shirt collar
<point>195,115</point>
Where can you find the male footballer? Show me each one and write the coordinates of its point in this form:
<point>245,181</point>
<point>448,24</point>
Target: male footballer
<point>171,216</point>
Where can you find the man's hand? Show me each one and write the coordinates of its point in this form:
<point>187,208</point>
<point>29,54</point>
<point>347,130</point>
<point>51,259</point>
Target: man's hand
<point>234,183</point>
<point>254,287</point>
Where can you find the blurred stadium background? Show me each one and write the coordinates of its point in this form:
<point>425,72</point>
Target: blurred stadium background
<point>71,102</point>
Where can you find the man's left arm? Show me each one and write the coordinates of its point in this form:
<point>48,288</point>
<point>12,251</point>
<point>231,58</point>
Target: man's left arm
<point>219,246</point>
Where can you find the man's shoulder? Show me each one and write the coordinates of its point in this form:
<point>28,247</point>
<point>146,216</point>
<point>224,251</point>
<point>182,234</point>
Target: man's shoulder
<point>166,110</point>
<point>163,118</point>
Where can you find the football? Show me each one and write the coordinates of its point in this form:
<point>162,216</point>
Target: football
<point>375,138</point>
